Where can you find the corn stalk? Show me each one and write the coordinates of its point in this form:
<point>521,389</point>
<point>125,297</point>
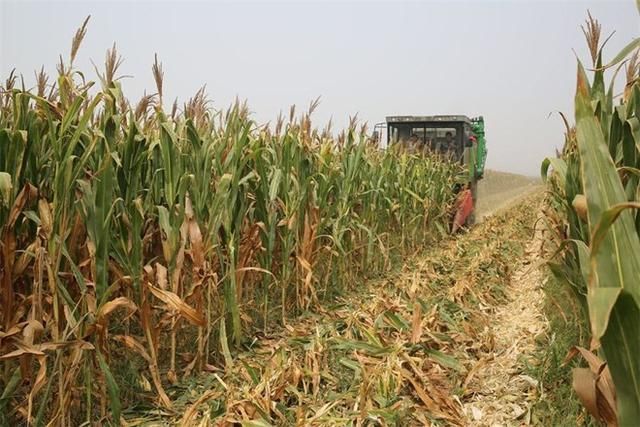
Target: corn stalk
<point>594,201</point>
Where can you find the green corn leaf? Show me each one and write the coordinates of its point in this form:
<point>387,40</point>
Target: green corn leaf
<point>620,345</point>
<point>6,187</point>
<point>559,166</point>
<point>82,125</point>
<point>597,89</point>
<point>414,195</point>
<point>633,171</point>
<point>77,274</point>
<point>584,257</point>
<point>72,113</point>
<point>112,388</point>
<point>351,364</point>
<point>15,155</point>
<point>614,289</point>
<point>622,55</point>
<point>253,372</point>
<point>224,343</point>
<point>606,221</point>
<point>603,189</point>
<point>445,360</point>
<point>615,133</point>
<point>7,392</point>
<point>631,138</point>
<point>396,321</point>
<point>611,111</point>
<point>274,186</point>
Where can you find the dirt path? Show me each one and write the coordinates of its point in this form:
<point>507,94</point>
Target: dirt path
<point>506,392</point>
<point>499,190</point>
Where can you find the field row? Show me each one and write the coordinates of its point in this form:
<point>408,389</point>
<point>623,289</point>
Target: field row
<point>169,237</point>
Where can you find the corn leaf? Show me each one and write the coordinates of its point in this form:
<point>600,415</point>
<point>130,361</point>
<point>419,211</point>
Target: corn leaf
<point>613,283</point>
<point>112,388</point>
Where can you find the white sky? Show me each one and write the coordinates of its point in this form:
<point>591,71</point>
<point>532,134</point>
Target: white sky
<point>510,61</point>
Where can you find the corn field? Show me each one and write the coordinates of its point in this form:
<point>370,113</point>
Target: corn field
<point>593,201</point>
<point>172,236</point>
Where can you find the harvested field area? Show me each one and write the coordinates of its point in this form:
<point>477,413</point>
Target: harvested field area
<point>409,349</point>
<point>499,189</point>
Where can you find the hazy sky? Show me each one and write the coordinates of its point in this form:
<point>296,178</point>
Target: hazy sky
<point>510,61</point>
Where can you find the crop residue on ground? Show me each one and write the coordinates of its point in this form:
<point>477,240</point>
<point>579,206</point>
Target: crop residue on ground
<point>406,350</point>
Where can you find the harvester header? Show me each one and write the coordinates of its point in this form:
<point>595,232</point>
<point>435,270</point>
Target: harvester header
<point>455,137</point>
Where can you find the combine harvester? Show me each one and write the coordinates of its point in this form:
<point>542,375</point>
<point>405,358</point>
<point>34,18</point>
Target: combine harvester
<point>457,138</point>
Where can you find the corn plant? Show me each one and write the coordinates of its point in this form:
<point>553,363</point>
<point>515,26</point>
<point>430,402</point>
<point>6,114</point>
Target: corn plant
<point>594,191</point>
<point>132,236</point>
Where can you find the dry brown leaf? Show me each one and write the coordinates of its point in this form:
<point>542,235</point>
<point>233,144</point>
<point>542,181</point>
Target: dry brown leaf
<point>175,303</point>
<point>46,219</point>
<point>428,402</point>
<point>194,234</point>
<point>38,383</point>
<point>32,331</point>
<point>191,412</point>
<point>134,345</point>
<point>416,327</point>
<point>24,260</point>
<point>476,367</point>
<point>584,384</point>
<point>603,406</point>
<point>108,307</point>
<point>22,351</point>
<point>27,193</point>
<point>79,344</point>
<point>14,330</point>
<point>161,276</point>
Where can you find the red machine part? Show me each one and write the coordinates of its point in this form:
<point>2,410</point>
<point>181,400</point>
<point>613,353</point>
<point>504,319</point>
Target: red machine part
<point>464,209</point>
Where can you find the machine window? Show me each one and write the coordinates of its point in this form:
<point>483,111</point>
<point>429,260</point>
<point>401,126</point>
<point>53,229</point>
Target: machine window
<point>418,137</point>
<point>443,140</point>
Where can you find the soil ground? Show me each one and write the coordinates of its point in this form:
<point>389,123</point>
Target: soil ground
<point>500,189</point>
<point>508,392</point>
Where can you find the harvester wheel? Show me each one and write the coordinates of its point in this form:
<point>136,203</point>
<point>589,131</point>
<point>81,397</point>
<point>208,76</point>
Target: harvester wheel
<point>471,219</point>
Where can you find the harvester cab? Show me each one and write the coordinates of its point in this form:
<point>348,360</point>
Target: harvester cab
<point>457,138</point>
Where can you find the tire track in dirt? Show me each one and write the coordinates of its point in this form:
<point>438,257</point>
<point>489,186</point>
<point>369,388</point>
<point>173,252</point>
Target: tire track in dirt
<point>506,393</point>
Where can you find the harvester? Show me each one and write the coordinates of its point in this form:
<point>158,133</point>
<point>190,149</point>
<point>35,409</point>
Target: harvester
<point>457,138</point>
